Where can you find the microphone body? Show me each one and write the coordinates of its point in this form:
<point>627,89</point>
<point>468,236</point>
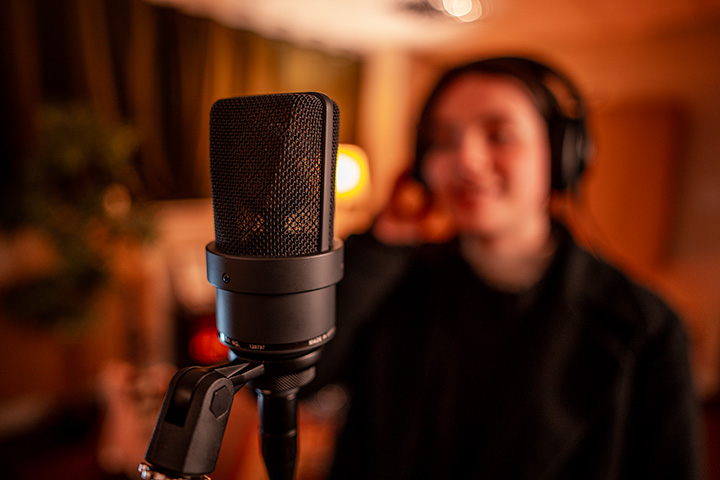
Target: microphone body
<point>274,308</point>
<point>274,261</point>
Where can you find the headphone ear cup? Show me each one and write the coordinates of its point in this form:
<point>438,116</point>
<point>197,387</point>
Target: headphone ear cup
<point>568,142</point>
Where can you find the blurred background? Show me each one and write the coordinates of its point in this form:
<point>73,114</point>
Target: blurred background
<point>104,190</point>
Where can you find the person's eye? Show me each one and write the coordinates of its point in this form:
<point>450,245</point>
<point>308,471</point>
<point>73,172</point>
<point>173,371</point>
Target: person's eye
<point>502,135</point>
<point>444,138</point>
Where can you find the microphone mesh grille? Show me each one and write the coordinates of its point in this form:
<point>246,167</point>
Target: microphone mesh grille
<point>267,167</point>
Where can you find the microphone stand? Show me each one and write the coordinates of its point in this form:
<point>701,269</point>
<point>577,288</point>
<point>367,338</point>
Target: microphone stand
<point>187,437</point>
<point>277,406</point>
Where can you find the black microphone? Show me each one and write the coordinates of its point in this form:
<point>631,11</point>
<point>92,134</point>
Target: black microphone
<point>274,261</point>
<point>275,265</point>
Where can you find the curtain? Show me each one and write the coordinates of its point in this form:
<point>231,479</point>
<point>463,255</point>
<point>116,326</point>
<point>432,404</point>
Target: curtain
<point>154,68</point>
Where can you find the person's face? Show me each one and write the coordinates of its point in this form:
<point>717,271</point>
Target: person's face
<point>489,161</point>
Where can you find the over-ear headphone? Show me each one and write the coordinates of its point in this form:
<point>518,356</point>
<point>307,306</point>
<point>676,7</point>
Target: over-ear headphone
<point>570,143</point>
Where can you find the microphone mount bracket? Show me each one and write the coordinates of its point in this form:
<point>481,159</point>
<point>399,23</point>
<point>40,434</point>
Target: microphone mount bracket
<point>187,437</point>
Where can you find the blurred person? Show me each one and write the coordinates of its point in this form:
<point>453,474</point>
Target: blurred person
<point>507,351</point>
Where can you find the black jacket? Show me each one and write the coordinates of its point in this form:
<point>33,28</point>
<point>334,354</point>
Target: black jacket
<point>586,376</point>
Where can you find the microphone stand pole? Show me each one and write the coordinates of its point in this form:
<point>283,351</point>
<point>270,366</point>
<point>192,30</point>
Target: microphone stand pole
<point>277,406</point>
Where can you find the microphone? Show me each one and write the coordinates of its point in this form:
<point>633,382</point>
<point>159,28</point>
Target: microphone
<point>274,261</point>
<point>275,264</point>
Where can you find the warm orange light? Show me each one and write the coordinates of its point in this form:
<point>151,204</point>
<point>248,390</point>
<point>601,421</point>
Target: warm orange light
<point>463,10</point>
<point>351,171</point>
<point>206,348</point>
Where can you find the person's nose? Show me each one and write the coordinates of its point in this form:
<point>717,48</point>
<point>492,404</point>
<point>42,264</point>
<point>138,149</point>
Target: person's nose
<point>473,155</point>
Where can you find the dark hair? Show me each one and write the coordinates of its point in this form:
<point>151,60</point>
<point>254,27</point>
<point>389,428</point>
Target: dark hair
<point>569,141</point>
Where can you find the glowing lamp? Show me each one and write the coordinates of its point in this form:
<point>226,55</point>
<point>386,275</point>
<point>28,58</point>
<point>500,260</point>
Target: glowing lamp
<point>351,172</point>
